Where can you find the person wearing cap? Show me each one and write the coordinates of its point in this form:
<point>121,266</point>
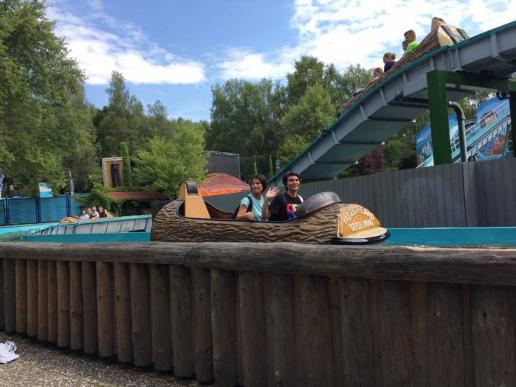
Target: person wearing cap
<point>279,208</point>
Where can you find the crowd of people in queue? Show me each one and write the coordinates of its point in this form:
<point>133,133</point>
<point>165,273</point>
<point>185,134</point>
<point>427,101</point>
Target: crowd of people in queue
<point>268,204</point>
<point>92,213</point>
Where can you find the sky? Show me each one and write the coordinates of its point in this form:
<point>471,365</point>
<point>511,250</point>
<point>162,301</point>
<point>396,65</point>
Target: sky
<point>176,51</point>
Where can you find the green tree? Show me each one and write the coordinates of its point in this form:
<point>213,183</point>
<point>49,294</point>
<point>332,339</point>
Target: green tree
<point>271,167</point>
<point>262,119</point>
<point>245,119</point>
<point>169,161</point>
<point>308,71</point>
<point>43,116</point>
<point>123,119</point>
<point>306,120</point>
<point>157,124</point>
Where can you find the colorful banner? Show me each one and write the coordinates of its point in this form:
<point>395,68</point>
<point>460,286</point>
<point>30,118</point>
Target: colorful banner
<point>486,139</point>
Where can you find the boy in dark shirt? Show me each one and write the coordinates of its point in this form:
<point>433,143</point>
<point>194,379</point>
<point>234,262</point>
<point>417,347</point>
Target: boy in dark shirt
<point>283,207</point>
<point>389,61</point>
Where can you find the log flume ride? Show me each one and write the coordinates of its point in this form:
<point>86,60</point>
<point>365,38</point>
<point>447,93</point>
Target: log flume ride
<point>323,219</point>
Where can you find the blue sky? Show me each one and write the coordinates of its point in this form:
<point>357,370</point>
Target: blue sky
<point>175,51</point>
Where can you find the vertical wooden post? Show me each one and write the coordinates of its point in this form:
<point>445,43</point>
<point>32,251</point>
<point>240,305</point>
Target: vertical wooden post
<point>419,321</point>
<point>160,319</point>
<point>445,340</point>
<point>283,343</point>
<point>140,315</point>
<point>252,322</point>
<point>467,331</point>
<point>63,304</point>
<point>76,326</point>
<point>32,298</point>
<point>106,339</point>
<point>42,301</point>
<point>357,333</point>
<point>336,328</point>
<point>181,312</point>
<point>89,306</point>
<point>493,320</point>
<point>2,318</point>
<point>123,313</point>
<point>313,338</point>
<point>394,307</point>
<point>202,337</point>
<point>21,295</point>
<point>52,301</point>
<point>9,288</point>
<point>238,326</point>
<point>223,321</point>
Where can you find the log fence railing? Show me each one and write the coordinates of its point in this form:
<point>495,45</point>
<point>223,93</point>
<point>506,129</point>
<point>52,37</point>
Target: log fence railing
<point>280,314</point>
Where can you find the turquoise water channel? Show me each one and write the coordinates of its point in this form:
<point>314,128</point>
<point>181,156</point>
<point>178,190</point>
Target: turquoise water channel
<point>437,237</point>
<point>453,236</point>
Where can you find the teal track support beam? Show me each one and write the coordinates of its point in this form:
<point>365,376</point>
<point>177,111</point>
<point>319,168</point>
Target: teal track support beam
<point>437,81</point>
<point>438,103</point>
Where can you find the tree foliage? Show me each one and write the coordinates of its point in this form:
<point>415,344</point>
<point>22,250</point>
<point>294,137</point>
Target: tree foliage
<point>170,160</point>
<point>45,123</point>
<point>123,119</point>
<point>245,119</point>
<point>265,120</point>
<point>306,120</point>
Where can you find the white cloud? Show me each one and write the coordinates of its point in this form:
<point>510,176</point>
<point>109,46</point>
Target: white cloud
<point>101,45</point>
<point>345,32</point>
<point>249,65</point>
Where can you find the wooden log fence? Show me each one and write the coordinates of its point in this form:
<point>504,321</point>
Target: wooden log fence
<point>280,314</point>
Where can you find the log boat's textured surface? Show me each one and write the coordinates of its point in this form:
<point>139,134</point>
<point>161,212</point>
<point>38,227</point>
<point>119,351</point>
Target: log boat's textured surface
<point>317,227</point>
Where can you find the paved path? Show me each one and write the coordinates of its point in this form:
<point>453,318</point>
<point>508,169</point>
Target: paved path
<point>42,365</point>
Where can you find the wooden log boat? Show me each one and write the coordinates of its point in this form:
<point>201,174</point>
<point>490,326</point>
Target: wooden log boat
<point>323,218</point>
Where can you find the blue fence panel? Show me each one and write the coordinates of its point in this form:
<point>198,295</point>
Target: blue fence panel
<point>2,212</point>
<point>75,206</point>
<point>53,209</point>
<point>22,210</point>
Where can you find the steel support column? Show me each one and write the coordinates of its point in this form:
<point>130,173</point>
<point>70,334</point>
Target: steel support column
<point>438,103</point>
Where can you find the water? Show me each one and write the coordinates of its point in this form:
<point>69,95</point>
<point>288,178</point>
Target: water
<point>454,236</point>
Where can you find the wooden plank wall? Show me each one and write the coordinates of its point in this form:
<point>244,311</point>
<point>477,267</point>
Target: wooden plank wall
<point>454,195</point>
<point>254,321</point>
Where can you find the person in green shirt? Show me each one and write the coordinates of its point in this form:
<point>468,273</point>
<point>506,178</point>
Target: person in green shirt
<point>412,43</point>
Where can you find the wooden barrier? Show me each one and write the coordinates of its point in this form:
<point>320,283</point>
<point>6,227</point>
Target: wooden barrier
<point>89,306</point>
<point>42,301</point>
<point>32,298</point>
<point>273,314</point>
<point>123,313</point>
<point>63,303</point>
<point>105,318</point>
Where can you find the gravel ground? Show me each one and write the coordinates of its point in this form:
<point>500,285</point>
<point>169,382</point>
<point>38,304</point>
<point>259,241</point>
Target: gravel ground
<point>42,365</point>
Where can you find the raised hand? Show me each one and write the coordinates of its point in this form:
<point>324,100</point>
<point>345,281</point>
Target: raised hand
<point>271,193</point>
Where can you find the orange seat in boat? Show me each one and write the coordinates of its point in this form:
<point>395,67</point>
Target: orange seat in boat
<point>194,206</point>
